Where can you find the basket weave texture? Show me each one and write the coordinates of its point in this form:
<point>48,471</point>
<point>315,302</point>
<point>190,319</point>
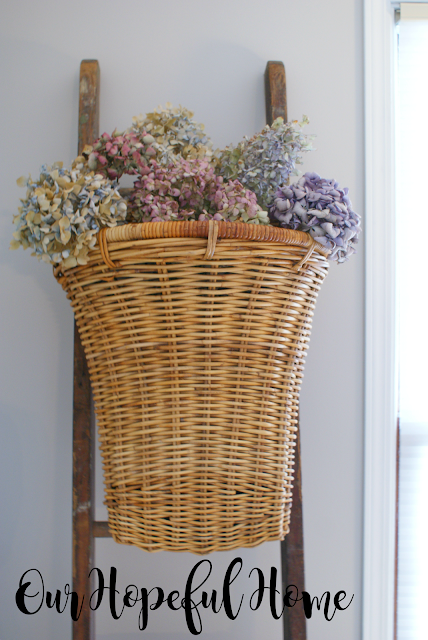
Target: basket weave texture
<point>195,352</point>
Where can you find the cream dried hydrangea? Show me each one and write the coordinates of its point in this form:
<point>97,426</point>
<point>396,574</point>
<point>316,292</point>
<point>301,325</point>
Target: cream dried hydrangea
<point>62,212</point>
<point>173,133</point>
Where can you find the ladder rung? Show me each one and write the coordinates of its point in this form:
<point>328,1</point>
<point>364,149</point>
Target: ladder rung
<point>100,529</point>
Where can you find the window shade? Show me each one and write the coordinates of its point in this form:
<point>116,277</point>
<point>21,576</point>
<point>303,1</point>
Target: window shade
<point>412,278</point>
<point>413,11</point>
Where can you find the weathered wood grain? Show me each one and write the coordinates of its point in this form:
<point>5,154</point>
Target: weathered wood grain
<point>292,555</point>
<point>100,529</point>
<point>89,103</point>
<point>83,416</point>
<point>292,559</point>
<point>275,92</point>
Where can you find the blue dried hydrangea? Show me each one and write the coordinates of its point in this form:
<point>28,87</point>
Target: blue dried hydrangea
<point>266,161</point>
<point>319,207</point>
<point>62,212</point>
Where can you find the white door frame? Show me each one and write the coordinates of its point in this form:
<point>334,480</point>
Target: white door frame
<point>380,374</point>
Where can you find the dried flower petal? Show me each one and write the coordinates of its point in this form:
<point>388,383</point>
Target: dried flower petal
<point>312,204</point>
<point>61,229</point>
<point>190,189</point>
<point>266,161</point>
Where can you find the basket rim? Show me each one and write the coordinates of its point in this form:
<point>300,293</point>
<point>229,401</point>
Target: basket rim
<point>201,229</point>
<point>213,230</point>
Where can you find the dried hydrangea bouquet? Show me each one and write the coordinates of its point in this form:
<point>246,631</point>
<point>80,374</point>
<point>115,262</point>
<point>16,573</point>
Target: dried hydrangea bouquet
<point>179,177</point>
<point>195,347</point>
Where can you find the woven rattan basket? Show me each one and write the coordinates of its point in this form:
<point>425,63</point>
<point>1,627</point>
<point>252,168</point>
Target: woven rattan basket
<point>195,335</point>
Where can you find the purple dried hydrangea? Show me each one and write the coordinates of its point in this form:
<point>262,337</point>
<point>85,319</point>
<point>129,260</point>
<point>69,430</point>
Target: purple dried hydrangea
<point>319,207</point>
<point>191,190</point>
<point>266,161</point>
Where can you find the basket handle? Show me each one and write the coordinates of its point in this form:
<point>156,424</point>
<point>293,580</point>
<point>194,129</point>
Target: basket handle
<point>306,257</point>
<point>102,241</point>
<point>212,239</point>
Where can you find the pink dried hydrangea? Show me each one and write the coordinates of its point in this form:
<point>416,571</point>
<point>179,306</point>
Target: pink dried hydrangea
<point>191,190</point>
<point>120,153</point>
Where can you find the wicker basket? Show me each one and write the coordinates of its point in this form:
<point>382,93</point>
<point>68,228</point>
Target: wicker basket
<point>195,351</point>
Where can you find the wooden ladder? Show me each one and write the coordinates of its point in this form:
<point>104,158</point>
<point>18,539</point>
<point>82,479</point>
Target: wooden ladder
<point>85,528</point>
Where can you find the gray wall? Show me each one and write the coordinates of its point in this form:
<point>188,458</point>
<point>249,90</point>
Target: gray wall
<point>209,56</point>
